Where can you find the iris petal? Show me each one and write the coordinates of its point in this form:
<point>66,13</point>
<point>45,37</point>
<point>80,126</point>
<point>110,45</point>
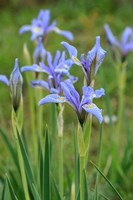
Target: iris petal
<point>94,110</point>
<point>4,79</point>
<point>52,98</point>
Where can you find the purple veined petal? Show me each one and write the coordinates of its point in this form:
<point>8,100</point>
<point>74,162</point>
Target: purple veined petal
<point>94,110</point>
<point>39,83</point>
<point>99,93</point>
<point>96,55</point>
<point>71,50</point>
<point>88,95</point>
<point>24,29</point>
<point>52,98</point>
<point>71,94</point>
<point>16,82</point>
<point>4,79</point>
<point>66,34</point>
<point>56,58</point>
<point>127,36</point>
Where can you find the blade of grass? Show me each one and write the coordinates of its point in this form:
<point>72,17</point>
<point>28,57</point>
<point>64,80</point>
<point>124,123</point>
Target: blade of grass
<point>46,180</point>
<point>10,148</point>
<point>13,196</point>
<point>111,185</point>
<point>28,169</point>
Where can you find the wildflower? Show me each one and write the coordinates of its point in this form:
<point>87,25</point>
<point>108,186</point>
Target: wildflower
<point>56,70</point>
<point>126,43</point>
<point>15,83</point>
<point>72,97</point>
<point>93,60</point>
<point>40,27</point>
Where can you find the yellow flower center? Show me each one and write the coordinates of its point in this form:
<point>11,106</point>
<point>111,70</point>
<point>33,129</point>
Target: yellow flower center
<point>90,106</point>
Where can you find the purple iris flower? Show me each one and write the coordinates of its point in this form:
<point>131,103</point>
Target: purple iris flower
<point>40,27</point>
<point>126,43</point>
<point>93,60</point>
<point>72,97</point>
<point>56,70</point>
<point>15,82</point>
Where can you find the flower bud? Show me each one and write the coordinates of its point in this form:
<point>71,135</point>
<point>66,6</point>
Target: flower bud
<point>16,82</point>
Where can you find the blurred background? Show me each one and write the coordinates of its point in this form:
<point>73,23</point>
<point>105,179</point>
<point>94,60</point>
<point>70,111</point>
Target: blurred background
<point>85,19</point>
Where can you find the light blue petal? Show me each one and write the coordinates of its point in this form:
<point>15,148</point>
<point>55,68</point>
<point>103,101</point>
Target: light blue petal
<point>110,37</point>
<point>52,98</point>
<point>24,29</point>
<point>94,110</point>
<point>99,93</point>
<point>96,55</point>
<point>39,83</point>
<point>4,79</point>
<point>71,49</point>
<point>127,36</point>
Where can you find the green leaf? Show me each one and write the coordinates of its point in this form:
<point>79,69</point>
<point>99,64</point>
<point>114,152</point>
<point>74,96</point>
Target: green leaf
<point>76,162</point>
<point>10,148</point>
<point>13,196</point>
<point>115,190</point>
<point>46,177</point>
<point>58,197</point>
<point>86,187</point>
<point>28,169</point>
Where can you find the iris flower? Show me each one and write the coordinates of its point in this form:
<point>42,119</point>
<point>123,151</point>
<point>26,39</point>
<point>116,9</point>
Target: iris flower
<point>93,60</point>
<point>56,70</point>
<point>40,27</point>
<point>72,97</point>
<point>15,82</point>
<point>126,43</point>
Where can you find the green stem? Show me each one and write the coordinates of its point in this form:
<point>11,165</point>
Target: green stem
<point>60,158</point>
<point>81,184</point>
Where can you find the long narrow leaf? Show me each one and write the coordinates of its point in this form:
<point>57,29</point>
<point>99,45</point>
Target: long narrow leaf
<point>115,190</point>
<point>46,167</point>
<point>28,169</point>
<point>58,197</point>
<point>86,187</point>
<point>10,148</point>
<point>13,196</point>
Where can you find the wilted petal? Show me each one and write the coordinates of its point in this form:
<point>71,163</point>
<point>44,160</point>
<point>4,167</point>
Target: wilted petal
<point>4,79</point>
<point>52,98</point>
<point>39,83</point>
<point>94,110</point>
